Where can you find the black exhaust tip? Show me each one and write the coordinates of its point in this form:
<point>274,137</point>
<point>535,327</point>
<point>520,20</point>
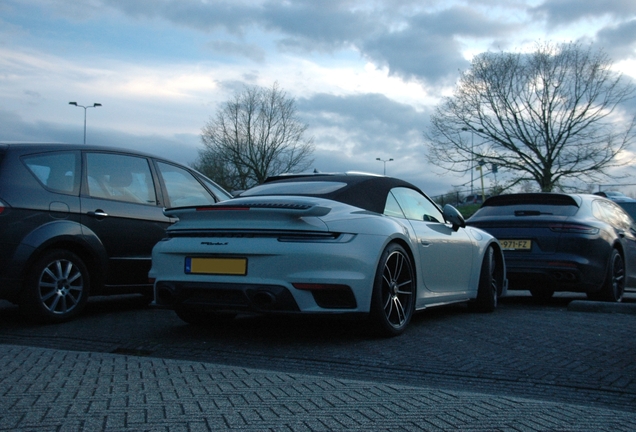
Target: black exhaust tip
<point>263,299</point>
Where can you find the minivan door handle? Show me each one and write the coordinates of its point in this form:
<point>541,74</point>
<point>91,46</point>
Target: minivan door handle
<point>98,214</point>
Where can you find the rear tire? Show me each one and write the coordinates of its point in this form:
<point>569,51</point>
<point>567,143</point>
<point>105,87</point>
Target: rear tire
<point>614,285</point>
<point>56,288</point>
<point>393,298</point>
<point>490,281</point>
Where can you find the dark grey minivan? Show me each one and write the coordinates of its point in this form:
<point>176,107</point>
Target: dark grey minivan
<point>80,220</point>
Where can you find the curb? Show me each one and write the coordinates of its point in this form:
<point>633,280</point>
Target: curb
<point>602,307</point>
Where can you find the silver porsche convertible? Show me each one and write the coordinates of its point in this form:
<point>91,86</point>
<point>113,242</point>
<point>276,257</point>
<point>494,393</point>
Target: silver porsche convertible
<point>357,244</point>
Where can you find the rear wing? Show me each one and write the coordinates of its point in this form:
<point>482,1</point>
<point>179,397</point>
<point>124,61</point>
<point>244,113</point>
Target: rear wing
<point>229,209</point>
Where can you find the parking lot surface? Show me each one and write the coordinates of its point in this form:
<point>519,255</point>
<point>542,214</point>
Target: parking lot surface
<point>124,366</point>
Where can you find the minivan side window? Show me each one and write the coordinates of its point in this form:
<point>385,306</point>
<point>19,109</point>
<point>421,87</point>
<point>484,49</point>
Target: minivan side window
<point>221,195</point>
<point>120,178</point>
<point>56,171</point>
<point>182,187</point>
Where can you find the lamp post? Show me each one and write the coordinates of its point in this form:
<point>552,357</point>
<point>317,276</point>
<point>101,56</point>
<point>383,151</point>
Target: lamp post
<point>95,105</point>
<point>384,161</point>
<point>480,167</point>
<point>472,154</point>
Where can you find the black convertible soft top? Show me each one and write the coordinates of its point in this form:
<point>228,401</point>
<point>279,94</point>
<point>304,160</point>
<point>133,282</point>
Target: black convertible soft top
<point>365,191</point>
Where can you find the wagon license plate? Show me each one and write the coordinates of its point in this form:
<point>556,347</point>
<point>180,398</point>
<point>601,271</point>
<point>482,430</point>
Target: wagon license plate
<point>216,266</point>
<point>516,244</point>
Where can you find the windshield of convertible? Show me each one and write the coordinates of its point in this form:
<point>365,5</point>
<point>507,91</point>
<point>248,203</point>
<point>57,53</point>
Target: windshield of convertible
<point>295,188</point>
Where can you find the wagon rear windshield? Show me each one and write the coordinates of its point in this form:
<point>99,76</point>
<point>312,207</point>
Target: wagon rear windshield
<point>529,205</point>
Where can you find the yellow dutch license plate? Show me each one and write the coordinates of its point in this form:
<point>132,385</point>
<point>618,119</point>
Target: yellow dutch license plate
<point>216,266</point>
<point>516,244</point>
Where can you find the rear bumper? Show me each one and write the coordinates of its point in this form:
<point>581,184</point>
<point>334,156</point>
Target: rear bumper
<point>255,298</point>
<point>559,272</point>
<point>225,297</point>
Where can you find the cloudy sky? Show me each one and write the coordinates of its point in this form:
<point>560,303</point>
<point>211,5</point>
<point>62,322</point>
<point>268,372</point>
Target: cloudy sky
<point>366,74</point>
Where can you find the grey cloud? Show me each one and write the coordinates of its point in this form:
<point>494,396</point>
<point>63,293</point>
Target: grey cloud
<point>252,52</point>
<point>427,47</point>
<point>620,40</point>
<point>370,122</point>
<point>233,16</point>
<point>318,26</point>
<point>424,47</point>
<point>559,12</point>
<point>365,127</point>
<point>412,44</point>
<point>417,54</point>
<point>460,21</point>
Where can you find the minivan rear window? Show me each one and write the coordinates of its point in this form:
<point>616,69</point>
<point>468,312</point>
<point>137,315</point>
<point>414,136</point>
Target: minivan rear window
<point>56,171</point>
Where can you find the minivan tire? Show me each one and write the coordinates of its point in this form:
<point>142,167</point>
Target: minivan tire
<point>56,288</point>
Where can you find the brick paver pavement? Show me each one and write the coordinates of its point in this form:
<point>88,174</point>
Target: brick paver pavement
<point>55,390</point>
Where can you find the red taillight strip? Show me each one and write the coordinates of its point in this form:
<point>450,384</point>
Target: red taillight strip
<point>319,287</point>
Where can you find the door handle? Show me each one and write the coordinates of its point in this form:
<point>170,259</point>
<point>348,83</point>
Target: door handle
<point>98,214</point>
<point>425,243</point>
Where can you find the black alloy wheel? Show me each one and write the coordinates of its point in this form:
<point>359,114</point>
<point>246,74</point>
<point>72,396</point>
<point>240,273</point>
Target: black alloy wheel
<point>614,286</point>
<point>56,288</point>
<point>393,298</point>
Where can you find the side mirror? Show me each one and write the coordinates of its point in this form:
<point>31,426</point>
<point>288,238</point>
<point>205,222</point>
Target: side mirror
<point>452,215</point>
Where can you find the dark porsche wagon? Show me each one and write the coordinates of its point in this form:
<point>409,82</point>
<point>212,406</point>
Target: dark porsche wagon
<point>80,220</point>
<point>563,242</point>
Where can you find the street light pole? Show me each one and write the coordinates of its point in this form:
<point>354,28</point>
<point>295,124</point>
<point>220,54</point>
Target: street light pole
<point>384,161</point>
<point>472,155</point>
<point>95,105</point>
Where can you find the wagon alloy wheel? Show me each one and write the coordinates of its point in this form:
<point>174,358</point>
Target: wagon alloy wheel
<point>56,288</point>
<point>393,300</point>
<point>490,279</point>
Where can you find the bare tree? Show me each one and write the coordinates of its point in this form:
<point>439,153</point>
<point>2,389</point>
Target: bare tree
<point>546,116</point>
<point>253,136</point>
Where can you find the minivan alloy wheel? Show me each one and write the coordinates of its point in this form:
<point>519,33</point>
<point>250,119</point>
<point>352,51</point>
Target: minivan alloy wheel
<point>56,288</point>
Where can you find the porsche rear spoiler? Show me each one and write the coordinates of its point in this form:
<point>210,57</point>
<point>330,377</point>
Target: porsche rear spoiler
<point>227,209</point>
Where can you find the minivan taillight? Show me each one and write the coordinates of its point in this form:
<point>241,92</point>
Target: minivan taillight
<point>2,207</point>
